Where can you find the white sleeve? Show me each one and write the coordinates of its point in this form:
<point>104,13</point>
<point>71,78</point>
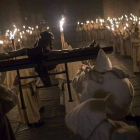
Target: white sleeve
<point>77,82</point>
<point>89,91</point>
<point>8,98</point>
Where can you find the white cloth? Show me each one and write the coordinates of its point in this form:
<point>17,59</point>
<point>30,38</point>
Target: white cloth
<point>64,95</point>
<point>72,70</point>
<point>103,63</point>
<point>89,121</point>
<point>126,133</point>
<point>8,99</point>
<point>95,84</point>
<point>121,94</point>
<point>75,97</point>
<point>32,102</point>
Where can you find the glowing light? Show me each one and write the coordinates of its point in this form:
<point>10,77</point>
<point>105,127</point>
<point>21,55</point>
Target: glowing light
<point>36,27</point>
<point>112,29</point>
<point>62,21</point>
<point>82,23</point>
<point>78,23</point>
<point>6,34</point>
<point>14,26</point>
<point>92,21</point>
<point>23,32</point>
<point>18,40</point>
<point>127,25</point>
<point>18,30</point>
<point>31,32</point>
<point>7,31</point>
<point>1,42</point>
<point>29,27</point>
<point>24,26</point>
<point>108,27</point>
<point>96,20</point>
<point>48,28</point>
<point>117,26</point>
<point>27,31</point>
<point>87,22</point>
<point>32,28</point>
<point>12,35</point>
<point>21,36</point>
<point>124,28</point>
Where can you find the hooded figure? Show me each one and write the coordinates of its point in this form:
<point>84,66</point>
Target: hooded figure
<point>89,121</point>
<point>135,41</point>
<point>104,77</point>
<point>64,94</point>
<point>30,95</point>
<point>8,100</point>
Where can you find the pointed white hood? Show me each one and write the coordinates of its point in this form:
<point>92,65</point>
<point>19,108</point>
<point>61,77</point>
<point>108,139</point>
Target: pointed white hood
<point>83,119</point>
<point>66,45</point>
<point>70,48</point>
<point>103,63</point>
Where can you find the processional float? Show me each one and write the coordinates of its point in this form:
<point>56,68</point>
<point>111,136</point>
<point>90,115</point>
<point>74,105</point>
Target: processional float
<point>43,60</point>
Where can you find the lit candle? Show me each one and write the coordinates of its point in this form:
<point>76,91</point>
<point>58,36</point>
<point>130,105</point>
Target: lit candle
<point>62,21</point>
<point>127,25</point>
<point>31,32</point>
<point>1,42</point>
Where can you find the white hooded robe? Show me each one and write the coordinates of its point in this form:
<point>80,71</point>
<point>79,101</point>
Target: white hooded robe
<point>102,78</point>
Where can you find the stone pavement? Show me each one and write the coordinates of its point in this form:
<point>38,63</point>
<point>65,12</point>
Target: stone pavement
<point>54,114</point>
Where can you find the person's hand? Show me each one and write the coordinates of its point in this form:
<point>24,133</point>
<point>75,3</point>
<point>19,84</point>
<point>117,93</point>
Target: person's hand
<point>81,66</point>
<point>16,81</point>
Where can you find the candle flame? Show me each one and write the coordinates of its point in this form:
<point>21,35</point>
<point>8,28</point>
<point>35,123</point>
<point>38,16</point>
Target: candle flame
<point>62,21</point>
<point>1,42</point>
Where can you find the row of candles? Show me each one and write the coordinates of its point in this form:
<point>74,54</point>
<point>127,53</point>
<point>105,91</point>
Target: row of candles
<point>21,32</point>
<point>124,22</point>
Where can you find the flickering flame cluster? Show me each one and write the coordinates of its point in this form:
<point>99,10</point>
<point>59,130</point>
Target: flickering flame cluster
<point>25,30</point>
<point>114,24</point>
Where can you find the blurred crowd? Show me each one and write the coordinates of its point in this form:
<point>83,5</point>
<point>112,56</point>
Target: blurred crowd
<point>123,32</point>
<point>23,37</point>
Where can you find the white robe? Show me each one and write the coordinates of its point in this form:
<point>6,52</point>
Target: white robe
<point>89,121</point>
<point>32,102</point>
<point>121,93</point>
<point>8,100</point>
<point>64,95</point>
